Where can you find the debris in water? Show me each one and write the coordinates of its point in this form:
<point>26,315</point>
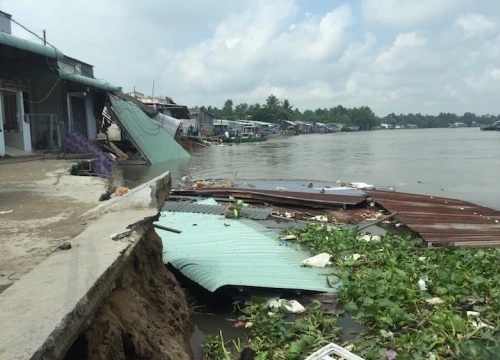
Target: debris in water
<point>421,285</point>
<point>435,301</point>
<point>320,260</point>
<point>293,305</point>
<point>6,212</point>
<point>65,246</point>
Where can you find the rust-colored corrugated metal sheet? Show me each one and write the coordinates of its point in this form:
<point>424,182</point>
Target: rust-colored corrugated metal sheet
<point>318,200</point>
<point>443,221</point>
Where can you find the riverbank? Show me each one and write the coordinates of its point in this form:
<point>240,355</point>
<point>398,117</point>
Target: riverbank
<point>98,288</point>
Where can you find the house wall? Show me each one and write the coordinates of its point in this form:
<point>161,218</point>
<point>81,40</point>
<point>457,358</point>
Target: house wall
<point>91,121</point>
<point>2,133</point>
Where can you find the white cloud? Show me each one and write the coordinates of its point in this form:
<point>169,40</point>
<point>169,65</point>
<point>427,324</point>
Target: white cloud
<point>407,49</point>
<point>394,56</point>
<point>495,73</point>
<point>405,12</point>
<point>476,25</point>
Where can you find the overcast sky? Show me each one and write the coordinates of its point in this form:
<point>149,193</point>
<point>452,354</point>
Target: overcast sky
<point>398,56</point>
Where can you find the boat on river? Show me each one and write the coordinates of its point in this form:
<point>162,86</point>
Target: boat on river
<point>494,126</point>
<point>245,137</point>
<point>350,128</point>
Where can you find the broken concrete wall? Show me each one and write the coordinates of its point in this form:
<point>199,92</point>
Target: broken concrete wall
<point>144,317</point>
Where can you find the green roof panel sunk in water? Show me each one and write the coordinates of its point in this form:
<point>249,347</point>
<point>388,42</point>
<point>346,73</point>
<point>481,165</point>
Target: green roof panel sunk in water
<point>148,136</point>
<point>214,252</point>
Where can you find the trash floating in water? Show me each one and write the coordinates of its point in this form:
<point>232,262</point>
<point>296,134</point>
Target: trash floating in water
<point>435,301</point>
<point>368,238</point>
<point>6,212</point>
<point>421,285</point>
<point>292,306</point>
<point>361,185</point>
<point>320,260</point>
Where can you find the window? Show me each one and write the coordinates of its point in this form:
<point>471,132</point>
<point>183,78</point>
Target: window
<point>10,112</point>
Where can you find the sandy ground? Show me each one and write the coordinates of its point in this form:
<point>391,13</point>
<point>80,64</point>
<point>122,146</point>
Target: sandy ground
<point>46,203</point>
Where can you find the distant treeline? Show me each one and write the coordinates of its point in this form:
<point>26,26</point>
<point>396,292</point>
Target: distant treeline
<point>275,110</point>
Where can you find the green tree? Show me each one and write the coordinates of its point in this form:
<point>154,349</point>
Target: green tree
<point>286,109</point>
<point>273,106</point>
<point>227,110</point>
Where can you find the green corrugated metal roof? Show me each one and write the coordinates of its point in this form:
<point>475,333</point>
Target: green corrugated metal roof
<point>150,139</point>
<point>23,44</point>
<point>244,253</point>
<point>100,84</point>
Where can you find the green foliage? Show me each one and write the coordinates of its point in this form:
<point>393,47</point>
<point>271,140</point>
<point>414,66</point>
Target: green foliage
<point>238,205</point>
<point>275,110</point>
<point>381,291</point>
<point>274,335</point>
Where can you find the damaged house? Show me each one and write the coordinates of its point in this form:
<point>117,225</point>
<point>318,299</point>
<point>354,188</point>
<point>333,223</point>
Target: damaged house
<point>44,95</point>
<point>50,102</point>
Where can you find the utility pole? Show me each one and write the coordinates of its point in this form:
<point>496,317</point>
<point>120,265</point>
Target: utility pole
<point>44,37</point>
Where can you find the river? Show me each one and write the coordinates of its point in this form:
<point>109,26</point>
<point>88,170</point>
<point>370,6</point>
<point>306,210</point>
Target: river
<point>462,163</point>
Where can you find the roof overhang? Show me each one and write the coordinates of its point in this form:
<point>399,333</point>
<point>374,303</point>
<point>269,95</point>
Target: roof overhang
<point>95,83</point>
<point>30,46</point>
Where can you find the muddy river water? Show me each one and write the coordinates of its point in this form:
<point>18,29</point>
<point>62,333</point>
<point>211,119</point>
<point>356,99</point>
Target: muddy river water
<point>459,163</point>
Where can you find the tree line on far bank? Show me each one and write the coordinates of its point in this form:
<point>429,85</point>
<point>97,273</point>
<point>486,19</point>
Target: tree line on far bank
<point>275,111</point>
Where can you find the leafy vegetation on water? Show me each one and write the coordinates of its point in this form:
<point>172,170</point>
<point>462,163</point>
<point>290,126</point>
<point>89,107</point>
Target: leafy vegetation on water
<point>419,303</point>
<point>276,334</point>
<point>413,302</point>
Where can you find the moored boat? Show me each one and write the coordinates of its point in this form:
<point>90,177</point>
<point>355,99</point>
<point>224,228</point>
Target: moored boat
<point>245,137</point>
<point>494,126</point>
<point>350,128</point>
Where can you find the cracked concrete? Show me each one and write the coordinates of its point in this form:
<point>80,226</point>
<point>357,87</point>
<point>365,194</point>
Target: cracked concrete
<point>46,203</point>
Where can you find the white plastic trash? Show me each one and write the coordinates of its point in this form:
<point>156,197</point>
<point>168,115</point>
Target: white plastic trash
<point>293,305</point>
<point>333,349</point>
<point>361,185</point>
<point>320,261</point>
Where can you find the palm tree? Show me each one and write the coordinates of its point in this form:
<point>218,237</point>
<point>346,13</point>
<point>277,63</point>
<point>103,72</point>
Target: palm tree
<point>273,104</point>
<point>286,109</point>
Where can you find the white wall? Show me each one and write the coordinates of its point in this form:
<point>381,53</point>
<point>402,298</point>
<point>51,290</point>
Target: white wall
<point>25,126</point>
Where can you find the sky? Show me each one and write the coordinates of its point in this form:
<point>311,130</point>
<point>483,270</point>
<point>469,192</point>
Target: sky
<point>402,56</point>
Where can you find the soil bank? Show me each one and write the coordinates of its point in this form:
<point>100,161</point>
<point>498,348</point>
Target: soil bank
<point>144,317</point>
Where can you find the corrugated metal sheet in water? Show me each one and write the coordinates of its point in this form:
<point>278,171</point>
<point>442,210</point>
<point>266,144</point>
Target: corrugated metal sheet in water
<point>214,252</point>
<point>153,142</point>
<point>441,220</point>
<point>189,207</point>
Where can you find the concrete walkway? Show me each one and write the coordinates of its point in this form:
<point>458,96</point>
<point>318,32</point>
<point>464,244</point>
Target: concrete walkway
<point>44,311</point>
<point>40,208</point>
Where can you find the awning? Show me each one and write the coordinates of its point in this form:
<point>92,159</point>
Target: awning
<point>30,46</point>
<point>148,136</point>
<point>95,83</point>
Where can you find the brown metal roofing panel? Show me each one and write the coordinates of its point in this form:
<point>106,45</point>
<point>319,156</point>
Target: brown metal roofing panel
<point>319,199</point>
<point>441,220</point>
